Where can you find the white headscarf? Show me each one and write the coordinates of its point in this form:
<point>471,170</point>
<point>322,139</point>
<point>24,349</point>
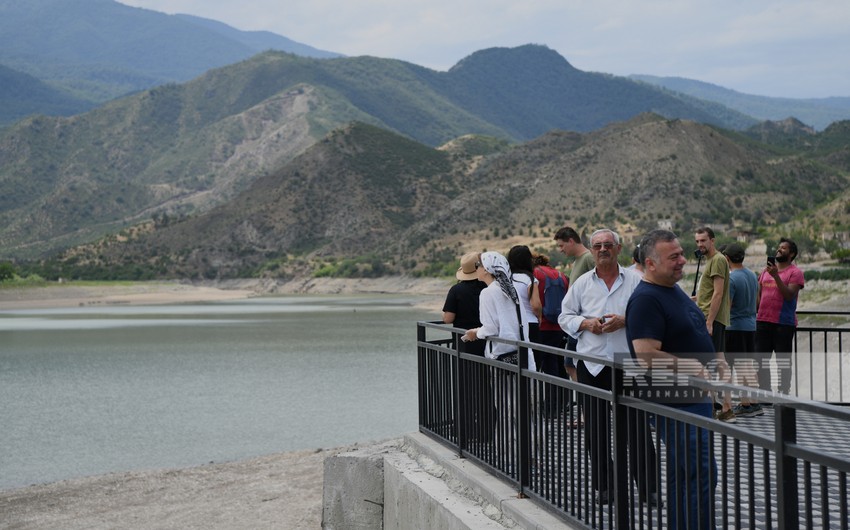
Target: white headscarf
<point>497,265</point>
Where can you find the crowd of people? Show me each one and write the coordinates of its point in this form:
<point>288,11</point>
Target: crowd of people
<point>733,320</point>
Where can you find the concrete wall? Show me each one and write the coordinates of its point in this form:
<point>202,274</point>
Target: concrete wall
<point>416,482</point>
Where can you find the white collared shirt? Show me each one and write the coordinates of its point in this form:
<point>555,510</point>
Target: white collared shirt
<point>589,297</point>
<point>498,316</point>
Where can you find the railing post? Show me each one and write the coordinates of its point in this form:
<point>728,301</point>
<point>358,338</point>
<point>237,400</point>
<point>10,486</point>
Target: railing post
<point>459,398</point>
<point>786,467</point>
<point>523,422</point>
<point>420,371</point>
<point>619,420</point>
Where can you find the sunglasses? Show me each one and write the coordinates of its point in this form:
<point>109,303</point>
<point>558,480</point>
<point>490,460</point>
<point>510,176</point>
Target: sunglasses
<point>599,246</point>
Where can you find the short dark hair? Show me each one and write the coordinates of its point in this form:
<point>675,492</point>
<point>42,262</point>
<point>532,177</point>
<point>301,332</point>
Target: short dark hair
<point>791,245</point>
<point>649,242</point>
<point>566,233</point>
<point>706,230</point>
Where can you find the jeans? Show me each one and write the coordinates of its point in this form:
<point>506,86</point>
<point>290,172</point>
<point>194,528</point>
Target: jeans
<point>691,470</point>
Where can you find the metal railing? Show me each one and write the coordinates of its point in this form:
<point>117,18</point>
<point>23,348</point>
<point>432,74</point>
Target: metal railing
<point>786,469</point>
<point>821,357</point>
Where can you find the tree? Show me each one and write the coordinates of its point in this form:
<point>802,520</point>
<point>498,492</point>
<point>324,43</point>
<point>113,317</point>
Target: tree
<point>7,271</point>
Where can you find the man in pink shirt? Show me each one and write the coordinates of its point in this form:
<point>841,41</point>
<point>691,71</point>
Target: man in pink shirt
<point>776,321</point>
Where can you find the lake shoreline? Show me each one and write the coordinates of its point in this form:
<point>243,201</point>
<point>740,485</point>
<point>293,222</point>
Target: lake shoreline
<point>86,294</point>
<point>818,294</point>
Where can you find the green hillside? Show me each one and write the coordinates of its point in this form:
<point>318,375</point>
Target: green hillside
<point>178,149</point>
<point>365,201</point>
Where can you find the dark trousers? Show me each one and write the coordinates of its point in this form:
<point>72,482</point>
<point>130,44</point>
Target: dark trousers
<point>597,432</point>
<point>718,336</point>
<point>549,363</point>
<point>478,407</point>
<point>740,354</point>
<point>778,339</point>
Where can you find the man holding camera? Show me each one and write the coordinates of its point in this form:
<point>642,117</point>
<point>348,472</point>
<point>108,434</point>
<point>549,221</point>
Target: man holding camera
<point>776,321</point>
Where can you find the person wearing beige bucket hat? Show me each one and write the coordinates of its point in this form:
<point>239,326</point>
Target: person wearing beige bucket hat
<point>466,271</point>
<point>461,310</point>
<point>461,306</point>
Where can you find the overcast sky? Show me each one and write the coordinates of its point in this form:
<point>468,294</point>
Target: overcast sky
<point>782,48</point>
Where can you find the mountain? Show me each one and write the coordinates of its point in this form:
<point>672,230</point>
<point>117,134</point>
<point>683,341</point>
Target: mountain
<point>22,95</point>
<point>521,88</point>
<point>817,112</point>
<point>177,149</point>
<point>101,49</point>
<point>832,146</point>
<point>365,201</point>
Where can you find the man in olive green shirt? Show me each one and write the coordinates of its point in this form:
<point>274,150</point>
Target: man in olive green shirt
<point>569,243</point>
<point>713,300</point>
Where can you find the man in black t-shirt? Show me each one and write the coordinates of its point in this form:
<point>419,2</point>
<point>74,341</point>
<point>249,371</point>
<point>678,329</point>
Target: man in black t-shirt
<point>666,332</point>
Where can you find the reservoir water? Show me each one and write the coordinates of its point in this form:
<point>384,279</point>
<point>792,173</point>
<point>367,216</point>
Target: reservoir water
<point>91,390</point>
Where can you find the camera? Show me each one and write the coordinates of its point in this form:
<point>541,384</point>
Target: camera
<point>698,254</point>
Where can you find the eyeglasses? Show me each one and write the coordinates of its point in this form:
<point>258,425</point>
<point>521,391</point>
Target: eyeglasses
<point>599,246</point>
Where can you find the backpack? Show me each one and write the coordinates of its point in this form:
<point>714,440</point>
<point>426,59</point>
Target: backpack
<point>554,291</point>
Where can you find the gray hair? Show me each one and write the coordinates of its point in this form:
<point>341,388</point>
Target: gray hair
<point>606,231</point>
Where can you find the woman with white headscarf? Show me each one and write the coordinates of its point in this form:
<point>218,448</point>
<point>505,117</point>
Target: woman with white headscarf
<point>499,312</point>
<point>497,307</point>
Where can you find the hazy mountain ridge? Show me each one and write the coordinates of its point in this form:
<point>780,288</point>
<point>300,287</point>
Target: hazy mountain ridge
<point>97,50</point>
<point>260,41</point>
<point>562,94</point>
<point>22,95</point>
<point>816,112</point>
<point>375,202</point>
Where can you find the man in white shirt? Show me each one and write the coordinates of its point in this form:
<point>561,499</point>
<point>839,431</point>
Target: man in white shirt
<point>593,311</point>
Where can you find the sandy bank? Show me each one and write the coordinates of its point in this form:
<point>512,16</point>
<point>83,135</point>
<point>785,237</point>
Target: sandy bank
<point>72,294</point>
<point>276,491</point>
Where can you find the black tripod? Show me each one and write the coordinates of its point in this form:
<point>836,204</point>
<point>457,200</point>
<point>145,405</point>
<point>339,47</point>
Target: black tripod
<point>698,254</point>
